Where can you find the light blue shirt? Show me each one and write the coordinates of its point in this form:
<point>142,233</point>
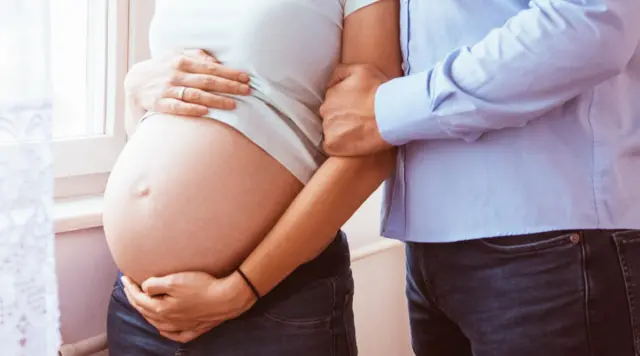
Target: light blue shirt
<point>516,117</point>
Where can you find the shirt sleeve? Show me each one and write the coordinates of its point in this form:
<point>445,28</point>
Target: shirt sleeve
<point>540,59</point>
<point>351,6</point>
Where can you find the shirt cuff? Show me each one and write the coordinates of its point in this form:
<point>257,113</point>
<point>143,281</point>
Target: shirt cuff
<point>404,111</point>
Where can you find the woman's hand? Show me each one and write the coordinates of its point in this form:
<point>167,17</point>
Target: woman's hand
<point>187,83</point>
<point>184,306</point>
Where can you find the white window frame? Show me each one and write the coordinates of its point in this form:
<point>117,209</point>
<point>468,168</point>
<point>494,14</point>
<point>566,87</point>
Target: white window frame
<point>82,165</point>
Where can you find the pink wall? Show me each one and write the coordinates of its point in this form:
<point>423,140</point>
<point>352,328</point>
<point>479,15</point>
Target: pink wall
<point>85,276</point>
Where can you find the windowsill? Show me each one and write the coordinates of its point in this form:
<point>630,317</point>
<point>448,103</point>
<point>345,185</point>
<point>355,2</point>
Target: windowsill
<point>77,213</point>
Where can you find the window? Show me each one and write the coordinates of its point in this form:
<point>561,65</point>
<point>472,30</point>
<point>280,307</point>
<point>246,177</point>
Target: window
<point>93,43</point>
<point>78,43</point>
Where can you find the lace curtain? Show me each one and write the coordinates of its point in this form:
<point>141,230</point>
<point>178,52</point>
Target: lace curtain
<point>28,292</point>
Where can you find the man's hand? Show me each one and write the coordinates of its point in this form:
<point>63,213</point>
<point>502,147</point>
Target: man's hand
<point>184,306</point>
<point>186,83</point>
<point>349,119</point>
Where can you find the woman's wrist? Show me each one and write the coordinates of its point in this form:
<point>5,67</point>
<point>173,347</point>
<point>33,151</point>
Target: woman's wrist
<point>238,293</point>
<point>253,288</point>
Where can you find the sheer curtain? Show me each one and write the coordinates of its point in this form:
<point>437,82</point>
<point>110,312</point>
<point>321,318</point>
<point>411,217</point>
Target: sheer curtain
<point>28,292</point>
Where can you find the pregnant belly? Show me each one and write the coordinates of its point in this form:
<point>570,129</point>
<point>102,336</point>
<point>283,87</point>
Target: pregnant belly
<point>191,195</point>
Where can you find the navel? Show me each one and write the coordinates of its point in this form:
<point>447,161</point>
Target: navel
<point>143,190</point>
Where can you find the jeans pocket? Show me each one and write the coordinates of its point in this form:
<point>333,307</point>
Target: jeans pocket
<point>310,308</point>
<point>628,246</point>
<point>531,243</point>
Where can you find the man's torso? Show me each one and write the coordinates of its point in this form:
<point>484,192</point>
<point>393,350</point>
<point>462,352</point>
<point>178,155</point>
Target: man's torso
<point>576,167</point>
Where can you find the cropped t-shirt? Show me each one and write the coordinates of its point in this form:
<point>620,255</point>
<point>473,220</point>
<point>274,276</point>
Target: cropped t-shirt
<point>289,49</point>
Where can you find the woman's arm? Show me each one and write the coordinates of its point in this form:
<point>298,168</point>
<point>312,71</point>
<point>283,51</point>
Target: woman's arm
<point>341,185</point>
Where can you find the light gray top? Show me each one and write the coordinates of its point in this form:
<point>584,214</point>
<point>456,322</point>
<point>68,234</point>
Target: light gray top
<point>288,47</point>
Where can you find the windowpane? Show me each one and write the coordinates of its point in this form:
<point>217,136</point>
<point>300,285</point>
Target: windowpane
<point>23,62</point>
<point>78,49</point>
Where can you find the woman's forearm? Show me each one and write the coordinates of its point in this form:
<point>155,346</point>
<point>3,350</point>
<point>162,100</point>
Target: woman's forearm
<point>310,223</point>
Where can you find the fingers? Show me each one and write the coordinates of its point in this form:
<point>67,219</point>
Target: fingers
<point>324,111</point>
<point>141,301</point>
<point>214,69</point>
<point>172,327</point>
<point>200,98</point>
<point>167,328</point>
<point>341,72</point>
<point>151,318</point>
<point>137,300</point>
<point>189,335</point>
<point>211,83</point>
<point>158,285</point>
<point>164,325</point>
<point>199,61</point>
<point>199,54</point>
<point>177,107</point>
<point>196,84</point>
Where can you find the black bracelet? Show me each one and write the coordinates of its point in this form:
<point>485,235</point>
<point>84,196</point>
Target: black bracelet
<point>253,288</point>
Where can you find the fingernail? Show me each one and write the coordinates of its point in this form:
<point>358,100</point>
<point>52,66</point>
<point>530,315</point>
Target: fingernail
<point>244,77</point>
<point>245,89</point>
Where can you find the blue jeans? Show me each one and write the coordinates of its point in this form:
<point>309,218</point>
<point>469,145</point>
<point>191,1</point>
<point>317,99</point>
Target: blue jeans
<point>310,313</point>
<point>553,294</point>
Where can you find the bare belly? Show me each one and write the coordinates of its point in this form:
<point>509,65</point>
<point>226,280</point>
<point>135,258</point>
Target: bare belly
<point>191,195</point>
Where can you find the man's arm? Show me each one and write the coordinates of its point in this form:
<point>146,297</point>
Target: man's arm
<point>540,59</point>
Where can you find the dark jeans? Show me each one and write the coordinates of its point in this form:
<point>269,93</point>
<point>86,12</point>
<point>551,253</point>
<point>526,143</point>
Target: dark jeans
<point>310,313</point>
<point>552,294</point>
